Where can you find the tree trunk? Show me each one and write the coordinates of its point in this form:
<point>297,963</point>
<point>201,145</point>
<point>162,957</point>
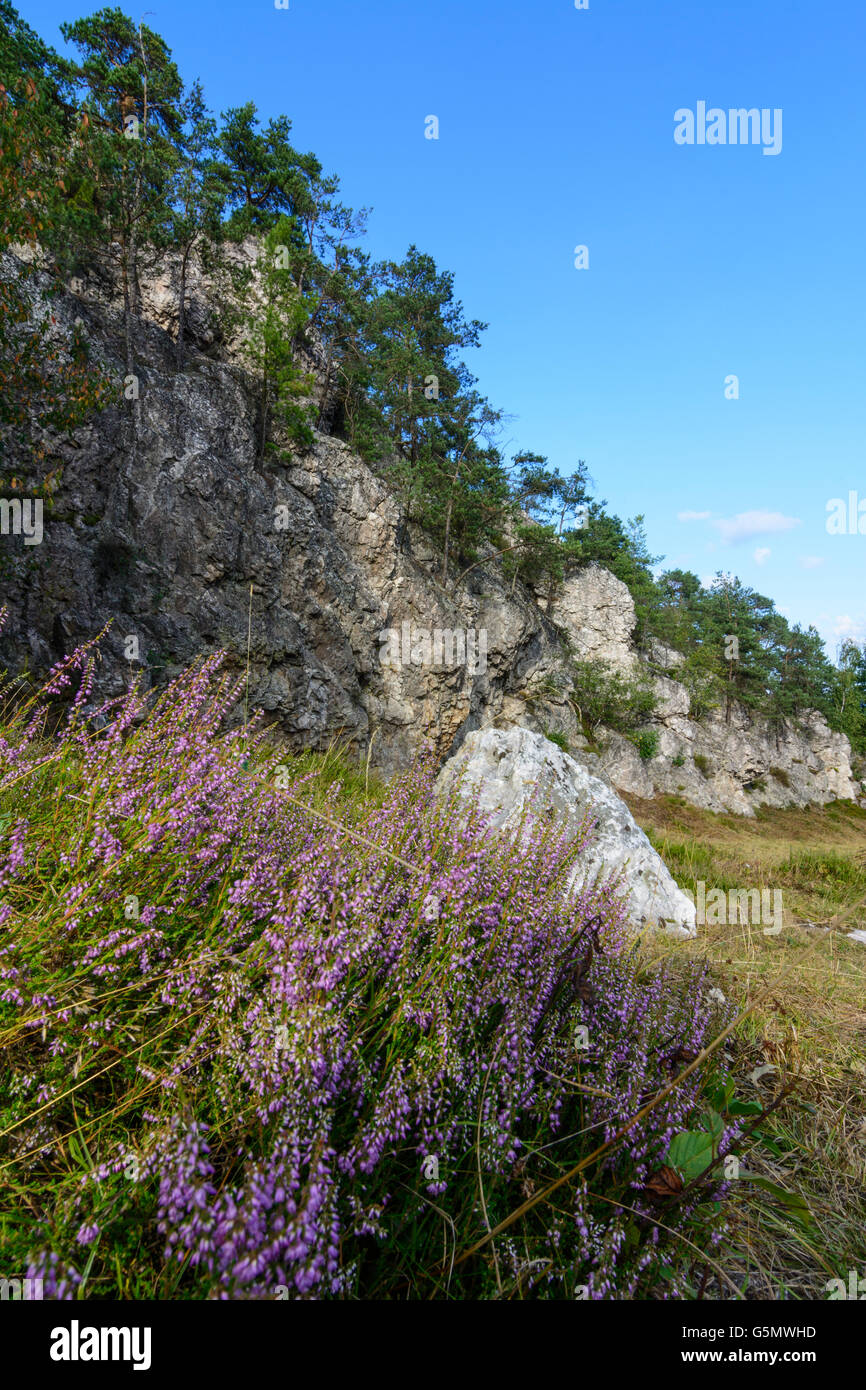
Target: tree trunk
<point>130,350</point>
<point>413,442</point>
<point>181,313</point>
<point>325,392</point>
<point>447,541</point>
<point>265,405</point>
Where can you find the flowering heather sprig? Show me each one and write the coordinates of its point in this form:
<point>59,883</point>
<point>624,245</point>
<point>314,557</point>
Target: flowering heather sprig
<point>59,1280</point>
<point>297,1038</point>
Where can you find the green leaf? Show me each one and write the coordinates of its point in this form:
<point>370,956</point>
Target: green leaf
<point>721,1096</point>
<point>691,1152</point>
<point>745,1107</point>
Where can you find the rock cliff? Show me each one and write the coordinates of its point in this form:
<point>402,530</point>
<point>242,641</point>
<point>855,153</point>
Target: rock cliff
<point>721,766</point>
<point>188,543</point>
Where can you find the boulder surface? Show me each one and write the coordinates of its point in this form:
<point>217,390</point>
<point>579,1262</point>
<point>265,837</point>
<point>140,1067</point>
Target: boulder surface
<point>508,770</point>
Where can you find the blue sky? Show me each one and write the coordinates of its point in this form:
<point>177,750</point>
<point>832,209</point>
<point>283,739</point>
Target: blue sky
<point>705,261</point>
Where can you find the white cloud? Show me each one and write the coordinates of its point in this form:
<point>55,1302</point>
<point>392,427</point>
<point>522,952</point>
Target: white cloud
<point>748,524</point>
<point>846,626</point>
<point>762,553</point>
<point>811,562</point>
<point>693,516</point>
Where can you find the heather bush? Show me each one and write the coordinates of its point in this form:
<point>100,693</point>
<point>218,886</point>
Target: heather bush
<point>253,1049</point>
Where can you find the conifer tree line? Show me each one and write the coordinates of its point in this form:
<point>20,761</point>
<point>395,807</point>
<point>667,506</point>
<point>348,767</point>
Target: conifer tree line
<point>111,161</point>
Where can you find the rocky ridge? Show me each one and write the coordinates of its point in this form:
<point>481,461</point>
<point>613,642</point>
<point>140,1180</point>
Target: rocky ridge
<point>721,766</point>
<point>189,543</point>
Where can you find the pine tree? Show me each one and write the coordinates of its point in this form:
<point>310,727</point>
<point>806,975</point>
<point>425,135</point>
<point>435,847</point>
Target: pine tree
<point>275,316</point>
<point>132,117</point>
<point>802,677</point>
<point>263,176</point>
<point>197,197</point>
<point>848,693</point>
<point>738,628</point>
<point>45,377</point>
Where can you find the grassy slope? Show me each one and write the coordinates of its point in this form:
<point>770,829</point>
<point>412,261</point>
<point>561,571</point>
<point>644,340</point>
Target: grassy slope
<point>811,1026</point>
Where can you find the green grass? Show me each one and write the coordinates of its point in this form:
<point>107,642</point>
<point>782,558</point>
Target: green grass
<point>811,1027</point>
<point>839,878</point>
<point>358,786</point>
<point>692,861</point>
<point>559,739</point>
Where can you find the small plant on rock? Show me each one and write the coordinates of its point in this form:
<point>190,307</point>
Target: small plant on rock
<point>646,741</point>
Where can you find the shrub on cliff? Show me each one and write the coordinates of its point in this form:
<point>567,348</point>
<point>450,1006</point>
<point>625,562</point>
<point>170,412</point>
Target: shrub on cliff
<point>603,695</point>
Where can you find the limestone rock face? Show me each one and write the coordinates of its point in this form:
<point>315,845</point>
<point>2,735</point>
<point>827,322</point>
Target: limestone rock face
<point>746,763</point>
<point>722,766</point>
<point>182,536</point>
<point>510,769</point>
<point>662,655</point>
<point>183,539</point>
<point>597,611</point>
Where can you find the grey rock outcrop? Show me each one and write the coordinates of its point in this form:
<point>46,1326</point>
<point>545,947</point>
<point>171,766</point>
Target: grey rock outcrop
<point>507,771</point>
<point>182,541</point>
<point>189,536</point>
<point>596,610</point>
<point>734,765</point>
